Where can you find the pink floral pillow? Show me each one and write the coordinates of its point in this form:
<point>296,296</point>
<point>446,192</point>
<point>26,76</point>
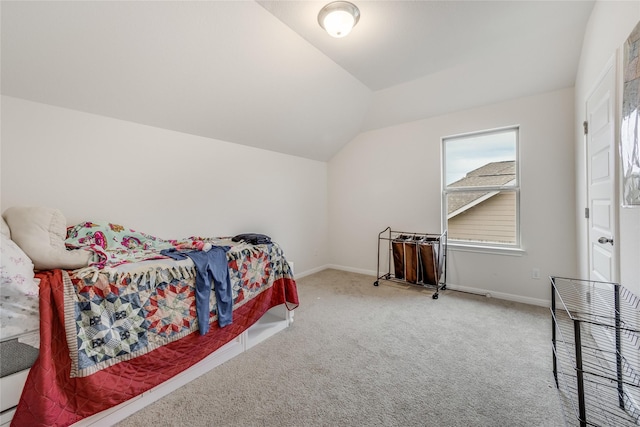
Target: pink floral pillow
<point>16,271</point>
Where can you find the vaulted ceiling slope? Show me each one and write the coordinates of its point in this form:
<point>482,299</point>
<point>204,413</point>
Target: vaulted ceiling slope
<point>264,74</point>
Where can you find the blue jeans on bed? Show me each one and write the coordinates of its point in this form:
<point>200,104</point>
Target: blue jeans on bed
<point>210,265</point>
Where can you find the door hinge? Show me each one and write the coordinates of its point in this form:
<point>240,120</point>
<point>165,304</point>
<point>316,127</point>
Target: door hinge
<point>586,213</point>
<point>585,125</point>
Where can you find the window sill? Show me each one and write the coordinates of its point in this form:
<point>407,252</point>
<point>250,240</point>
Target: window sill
<point>462,247</point>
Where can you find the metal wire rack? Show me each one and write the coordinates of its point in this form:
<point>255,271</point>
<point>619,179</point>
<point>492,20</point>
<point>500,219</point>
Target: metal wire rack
<point>414,258</point>
<point>596,351</point>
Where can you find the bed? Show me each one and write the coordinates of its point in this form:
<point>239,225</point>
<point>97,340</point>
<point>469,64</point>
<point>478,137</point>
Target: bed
<point>121,327</point>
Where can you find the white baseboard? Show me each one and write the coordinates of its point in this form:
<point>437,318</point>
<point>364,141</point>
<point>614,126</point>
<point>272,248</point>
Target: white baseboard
<point>500,295</point>
<point>453,287</point>
<point>352,270</point>
<point>310,272</point>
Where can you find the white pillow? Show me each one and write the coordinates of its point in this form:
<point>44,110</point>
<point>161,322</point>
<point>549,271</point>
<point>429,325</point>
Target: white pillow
<point>19,291</point>
<point>5,229</point>
<point>16,270</point>
<point>40,232</point>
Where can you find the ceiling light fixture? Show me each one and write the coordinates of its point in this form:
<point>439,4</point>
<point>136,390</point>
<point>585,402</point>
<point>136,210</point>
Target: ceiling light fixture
<point>338,18</point>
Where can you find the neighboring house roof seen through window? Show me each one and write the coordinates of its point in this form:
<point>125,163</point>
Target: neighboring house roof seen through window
<point>494,174</point>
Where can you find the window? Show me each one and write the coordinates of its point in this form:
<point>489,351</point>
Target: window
<point>481,189</point>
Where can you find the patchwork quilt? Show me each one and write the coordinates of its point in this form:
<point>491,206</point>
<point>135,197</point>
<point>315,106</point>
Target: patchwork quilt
<point>109,334</point>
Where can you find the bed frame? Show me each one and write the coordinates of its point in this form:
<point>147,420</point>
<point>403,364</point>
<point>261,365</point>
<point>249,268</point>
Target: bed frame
<point>273,321</point>
<point>10,390</point>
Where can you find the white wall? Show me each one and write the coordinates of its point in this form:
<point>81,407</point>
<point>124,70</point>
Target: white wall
<point>93,167</point>
<point>391,177</point>
<point>162,182</point>
<point>609,26</point>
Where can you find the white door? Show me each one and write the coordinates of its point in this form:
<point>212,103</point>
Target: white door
<point>602,158</point>
<point>601,179</point>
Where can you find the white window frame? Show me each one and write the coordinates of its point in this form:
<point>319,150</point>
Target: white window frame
<point>481,246</point>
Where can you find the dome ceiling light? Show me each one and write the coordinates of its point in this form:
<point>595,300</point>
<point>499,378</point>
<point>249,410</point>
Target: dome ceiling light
<point>338,18</point>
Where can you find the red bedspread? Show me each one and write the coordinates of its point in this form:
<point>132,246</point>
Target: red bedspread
<point>52,398</point>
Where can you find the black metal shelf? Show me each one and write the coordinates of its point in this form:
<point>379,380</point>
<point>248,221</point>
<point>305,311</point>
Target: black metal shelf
<point>596,352</point>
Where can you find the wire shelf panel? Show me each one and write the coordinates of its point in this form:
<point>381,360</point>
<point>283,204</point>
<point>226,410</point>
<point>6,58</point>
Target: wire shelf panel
<point>596,351</point>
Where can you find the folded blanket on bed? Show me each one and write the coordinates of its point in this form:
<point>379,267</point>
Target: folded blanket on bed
<point>54,397</point>
<point>112,244</point>
<point>119,313</point>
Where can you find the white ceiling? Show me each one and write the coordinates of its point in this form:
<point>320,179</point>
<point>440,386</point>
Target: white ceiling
<point>266,75</point>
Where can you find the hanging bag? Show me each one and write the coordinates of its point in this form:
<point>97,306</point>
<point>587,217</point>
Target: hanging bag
<point>412,263</point>
<point>397,246</point>
<point>429,258</point>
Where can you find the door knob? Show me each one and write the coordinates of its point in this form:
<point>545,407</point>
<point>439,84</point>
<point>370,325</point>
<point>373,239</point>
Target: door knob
<point>605,240</point>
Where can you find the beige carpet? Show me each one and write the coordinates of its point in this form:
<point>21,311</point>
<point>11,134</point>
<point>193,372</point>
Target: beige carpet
<point>360,355</point>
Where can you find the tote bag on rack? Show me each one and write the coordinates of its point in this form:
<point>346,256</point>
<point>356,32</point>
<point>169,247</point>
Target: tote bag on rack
<point>411,260</point>
<point>397,246</point>
<point>430,260</point>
